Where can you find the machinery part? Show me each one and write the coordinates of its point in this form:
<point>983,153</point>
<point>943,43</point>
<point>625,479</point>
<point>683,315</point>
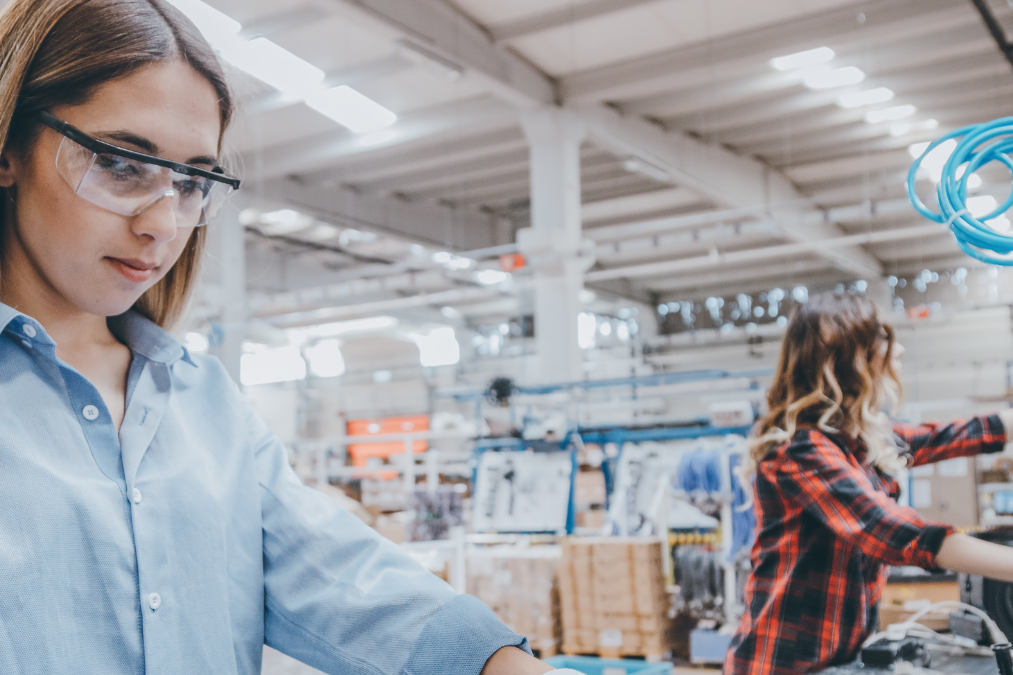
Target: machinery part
<point>1004,658</point>
<point>886,652</point>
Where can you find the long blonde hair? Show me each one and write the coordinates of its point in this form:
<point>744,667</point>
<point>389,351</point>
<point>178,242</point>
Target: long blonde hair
<point>833,374</point>
<point>58,52</point>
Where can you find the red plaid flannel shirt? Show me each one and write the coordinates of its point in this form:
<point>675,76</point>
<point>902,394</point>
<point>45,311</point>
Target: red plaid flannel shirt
<point>827,528</point>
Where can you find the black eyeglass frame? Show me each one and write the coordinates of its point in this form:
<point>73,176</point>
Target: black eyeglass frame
<point>101,147</point>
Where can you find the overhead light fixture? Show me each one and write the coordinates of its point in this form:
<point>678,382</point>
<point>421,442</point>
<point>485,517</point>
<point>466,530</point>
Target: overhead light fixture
<point>217,28</point>
<point>335,328</point>
<point>933,163</point>
<point>645,168</point>
<point>351,109</point>
<point>438,348</point>
<point>325,358</point>
<point>902,128</point>
<point>274,65</point>
<point>283,221</point>
<point>806,59</point>
<point>285,71</point>
<point>490,277</point>
<point>426,57</point>
<point>857,99</point>
<point>897,112</point>
<point>826,78</point>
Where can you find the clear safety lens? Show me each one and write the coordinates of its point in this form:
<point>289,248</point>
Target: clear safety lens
<point>130,187</point>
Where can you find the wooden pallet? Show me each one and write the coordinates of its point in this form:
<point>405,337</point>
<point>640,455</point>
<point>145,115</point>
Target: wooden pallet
<point>616,654</point>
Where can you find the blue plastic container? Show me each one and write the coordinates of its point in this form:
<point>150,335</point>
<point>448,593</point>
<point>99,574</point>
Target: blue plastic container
<point>590,665</point>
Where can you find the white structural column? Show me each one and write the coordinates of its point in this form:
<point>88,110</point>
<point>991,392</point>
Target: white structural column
<point>553,242</point>
<point>229,241</point>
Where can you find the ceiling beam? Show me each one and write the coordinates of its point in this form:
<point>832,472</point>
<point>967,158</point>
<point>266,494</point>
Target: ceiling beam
<point>438,225</point>
<point>317,152</point>
<point>727,179</point>
<point>539,23</point>
<point>442,28</point>
<point>886,19</point>
<point>784,252</point>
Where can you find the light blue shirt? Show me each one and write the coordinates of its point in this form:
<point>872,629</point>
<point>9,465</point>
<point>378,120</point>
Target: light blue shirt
<point>183,544</point>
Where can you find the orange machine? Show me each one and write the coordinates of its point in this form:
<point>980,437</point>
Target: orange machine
<point>362,452</point>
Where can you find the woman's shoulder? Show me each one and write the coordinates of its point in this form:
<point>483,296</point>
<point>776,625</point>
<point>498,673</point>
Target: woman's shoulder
<point>807,443</point>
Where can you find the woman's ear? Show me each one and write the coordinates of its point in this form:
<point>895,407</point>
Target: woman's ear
<point>7,171</point>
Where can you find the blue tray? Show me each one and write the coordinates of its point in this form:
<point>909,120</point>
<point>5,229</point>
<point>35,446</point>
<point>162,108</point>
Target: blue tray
<point>590,665</point>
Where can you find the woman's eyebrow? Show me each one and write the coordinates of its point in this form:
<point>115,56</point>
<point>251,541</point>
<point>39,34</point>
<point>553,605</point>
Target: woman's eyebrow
<point>148,147</point>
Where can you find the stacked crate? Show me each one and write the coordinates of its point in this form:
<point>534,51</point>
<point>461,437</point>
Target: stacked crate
<point>613,599</point>
<point>519,585</point>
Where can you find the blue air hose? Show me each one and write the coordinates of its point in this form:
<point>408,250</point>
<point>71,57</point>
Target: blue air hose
<point>978,145</point>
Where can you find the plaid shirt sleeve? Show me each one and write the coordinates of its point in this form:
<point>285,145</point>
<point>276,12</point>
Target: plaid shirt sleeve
<point>935,442</point>
<point>831,486</point>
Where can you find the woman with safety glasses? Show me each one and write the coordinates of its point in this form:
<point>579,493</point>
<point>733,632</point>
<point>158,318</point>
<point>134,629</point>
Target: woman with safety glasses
<point>149,521</point>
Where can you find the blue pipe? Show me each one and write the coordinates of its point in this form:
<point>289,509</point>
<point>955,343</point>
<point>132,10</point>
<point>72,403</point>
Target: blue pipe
<point>978,145</point>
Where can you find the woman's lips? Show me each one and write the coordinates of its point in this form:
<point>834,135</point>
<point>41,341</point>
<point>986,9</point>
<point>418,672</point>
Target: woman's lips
<point>136,271</point>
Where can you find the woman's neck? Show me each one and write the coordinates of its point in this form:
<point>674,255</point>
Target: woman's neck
<point>74,331</point>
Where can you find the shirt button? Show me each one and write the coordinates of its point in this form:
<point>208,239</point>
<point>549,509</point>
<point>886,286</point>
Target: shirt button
<point>30,330</point>
<point>90,413</point>
<point>154,601</point>
<point>136,496</point>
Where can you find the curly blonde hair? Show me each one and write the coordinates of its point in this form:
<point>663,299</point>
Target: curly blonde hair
<point>833,374</point>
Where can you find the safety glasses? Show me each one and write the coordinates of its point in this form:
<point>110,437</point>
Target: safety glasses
<point>129,183</point>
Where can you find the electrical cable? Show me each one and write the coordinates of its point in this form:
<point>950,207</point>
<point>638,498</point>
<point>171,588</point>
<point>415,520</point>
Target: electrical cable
<point>911,627</point>
<point>978,145</point>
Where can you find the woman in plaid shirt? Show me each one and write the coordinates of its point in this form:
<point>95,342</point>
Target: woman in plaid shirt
<point>827,523</point>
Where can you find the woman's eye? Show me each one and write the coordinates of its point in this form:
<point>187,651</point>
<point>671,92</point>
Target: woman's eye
<point>190,187</point>
<point>117,167</point>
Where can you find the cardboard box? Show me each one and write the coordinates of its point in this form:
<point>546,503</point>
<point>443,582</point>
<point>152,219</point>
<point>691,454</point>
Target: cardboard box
<point>613,597</point>
<point>901,601</point>
<point>521,588</point>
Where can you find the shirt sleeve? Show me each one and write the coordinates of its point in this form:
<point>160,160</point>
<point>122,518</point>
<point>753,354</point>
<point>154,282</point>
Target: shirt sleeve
<point>935,442</point>
<point>342,599</point>
<point>827,484</point>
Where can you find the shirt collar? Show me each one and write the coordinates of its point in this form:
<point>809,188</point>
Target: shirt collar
<point>147,338</point>
<point>7,314</point>
<point>136,331</point>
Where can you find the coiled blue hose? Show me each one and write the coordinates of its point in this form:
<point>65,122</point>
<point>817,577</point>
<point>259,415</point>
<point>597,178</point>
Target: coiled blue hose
<point>978,145</point>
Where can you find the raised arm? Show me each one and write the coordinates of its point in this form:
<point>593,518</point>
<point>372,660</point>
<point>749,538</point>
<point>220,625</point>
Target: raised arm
<point>826,482</point>
<point>934,442</point>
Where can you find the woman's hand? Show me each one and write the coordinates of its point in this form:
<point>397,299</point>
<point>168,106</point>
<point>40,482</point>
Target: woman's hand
<point>960,553</point>
<point>514,661</point>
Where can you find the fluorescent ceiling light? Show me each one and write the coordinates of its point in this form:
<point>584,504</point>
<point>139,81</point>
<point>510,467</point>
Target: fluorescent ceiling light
<point>354,326</point>
<point>490,277</point>
<point>439,348</point>
<point>325,359</point>
<point>889,114</point>
<point>825,78</point>
<point>276,365</point>
<point>806,59</point>
<point>349,108</point>
<point>217,28</point>
<point>999,223</point>
<point>276,66</point>
<point>868,97</point>
<point>644,168</point>
<point>973,181</point>
<point>283,221</point>
<point>901,128</point>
